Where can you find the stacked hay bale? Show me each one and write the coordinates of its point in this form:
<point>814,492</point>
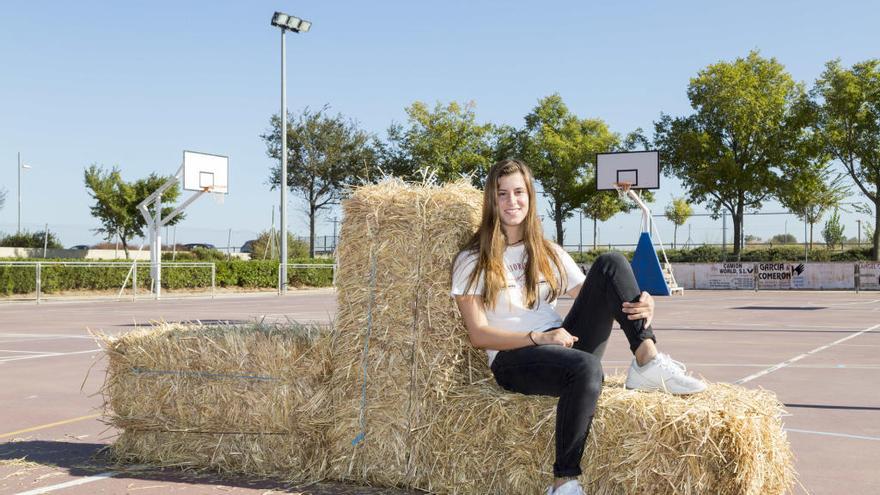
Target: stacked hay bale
<point>244,399</point>
<point>727,440</point>
<point>415,406</point>
<point>401,347</point>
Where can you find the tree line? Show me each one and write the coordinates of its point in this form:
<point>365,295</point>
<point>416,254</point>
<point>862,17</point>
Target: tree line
<point>754,134</point>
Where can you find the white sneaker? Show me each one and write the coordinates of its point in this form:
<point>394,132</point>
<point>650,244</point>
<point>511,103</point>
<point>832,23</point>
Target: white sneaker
<point>571,487</point>
<point>663,373</point>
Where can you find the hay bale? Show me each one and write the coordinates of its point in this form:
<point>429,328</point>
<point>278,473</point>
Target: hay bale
<point>394,258</point>
<point>249,399</point>
<point>727,440</point>
<point>433,418</point>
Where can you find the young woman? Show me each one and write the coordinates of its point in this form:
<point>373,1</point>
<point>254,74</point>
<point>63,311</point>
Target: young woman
<point>506,282</point>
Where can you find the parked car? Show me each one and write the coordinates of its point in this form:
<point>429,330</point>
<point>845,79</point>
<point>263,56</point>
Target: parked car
<point>248,246</point>
<point>193,245</point>
<point>80,247</point>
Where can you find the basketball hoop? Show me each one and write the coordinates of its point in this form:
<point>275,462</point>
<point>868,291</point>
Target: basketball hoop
<point>218,197</point>
<point>622,188</point>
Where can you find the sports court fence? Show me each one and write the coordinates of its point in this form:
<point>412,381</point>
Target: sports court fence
<point>33,280</point>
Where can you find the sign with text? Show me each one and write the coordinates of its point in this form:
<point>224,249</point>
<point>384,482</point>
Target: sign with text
<point>734,275</point>
<point>869,275</point>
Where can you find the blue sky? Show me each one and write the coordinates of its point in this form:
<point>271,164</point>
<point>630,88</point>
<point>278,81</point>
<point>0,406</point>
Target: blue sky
<point>133,84</point>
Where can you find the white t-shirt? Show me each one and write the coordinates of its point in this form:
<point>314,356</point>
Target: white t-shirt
<point>511,312</point>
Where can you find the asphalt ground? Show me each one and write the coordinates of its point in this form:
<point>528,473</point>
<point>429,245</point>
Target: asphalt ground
<point>817,350</point>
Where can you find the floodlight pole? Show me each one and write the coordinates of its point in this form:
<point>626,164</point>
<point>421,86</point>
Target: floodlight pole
<point>283,265</point>
<point>19,194</point>
<point>297,25</point>
<point>20,168</point>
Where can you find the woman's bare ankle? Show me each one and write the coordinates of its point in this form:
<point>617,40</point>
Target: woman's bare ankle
<point>645,352</point>
<point>561,481</point>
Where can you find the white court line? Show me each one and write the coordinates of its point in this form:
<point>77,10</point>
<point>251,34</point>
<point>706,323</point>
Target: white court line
<point>27,352</point>
<point>799,357</point>
<point>830,434</point>
<point>42,335</point>
<point>21,358</point>
<point>68,484</point>
<point>852,303</point>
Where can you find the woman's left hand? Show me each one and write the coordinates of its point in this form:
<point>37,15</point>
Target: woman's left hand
<point>642,309</point>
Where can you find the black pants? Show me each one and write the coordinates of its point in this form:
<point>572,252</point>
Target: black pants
<point>575,374</point>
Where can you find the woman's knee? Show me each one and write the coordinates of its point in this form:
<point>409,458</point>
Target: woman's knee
<point>587,372</point>
<point>612,259</point>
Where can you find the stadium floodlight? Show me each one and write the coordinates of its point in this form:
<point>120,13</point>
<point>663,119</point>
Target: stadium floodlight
<point>290,22</point>
<point>285,22</point>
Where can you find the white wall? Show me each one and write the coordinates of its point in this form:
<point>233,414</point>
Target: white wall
<point>776,275</point>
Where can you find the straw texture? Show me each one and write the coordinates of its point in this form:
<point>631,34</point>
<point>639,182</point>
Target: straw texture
<point>395,395</point>
<point>727,440</point>
<point>250,398</point>
<point>405,376</point>
<point>395,314</point>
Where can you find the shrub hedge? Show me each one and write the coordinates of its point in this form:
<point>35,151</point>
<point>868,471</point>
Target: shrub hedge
<point>16,279</point>
<point>713,254</point>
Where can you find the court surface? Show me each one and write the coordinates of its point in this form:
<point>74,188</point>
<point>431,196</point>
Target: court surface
<point>817,350</point>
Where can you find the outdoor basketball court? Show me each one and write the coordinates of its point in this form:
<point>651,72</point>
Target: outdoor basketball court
<point>817,350</point>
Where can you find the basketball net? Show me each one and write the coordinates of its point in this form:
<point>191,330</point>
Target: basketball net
<point>622,188</point>
<point>218,197</point>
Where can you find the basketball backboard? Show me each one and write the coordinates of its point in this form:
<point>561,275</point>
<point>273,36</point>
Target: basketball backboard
<point>641,169</point>
<point>204,170</point>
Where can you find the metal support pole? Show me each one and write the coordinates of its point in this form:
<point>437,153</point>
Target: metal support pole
<point>213,278</point>
<point>723,234</point>
<point>282,276</point>
<point>755,271</point>
<point>39,274</point>
<point>580,231</point>
<point>134,279</point>
<point>806,245</point>
<point>19,194</point>
<point>857,277</point>
<point>157,252</point>
<point>45,239</point>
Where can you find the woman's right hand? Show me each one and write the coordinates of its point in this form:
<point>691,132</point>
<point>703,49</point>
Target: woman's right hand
<point>557,336</point>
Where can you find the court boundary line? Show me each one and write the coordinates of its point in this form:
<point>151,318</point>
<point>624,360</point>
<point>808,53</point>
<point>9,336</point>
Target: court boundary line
<point>50,425</point>
<point>783,364</point>
<point>832,434</point>
<point>22,358</point>
<point>71,483</point>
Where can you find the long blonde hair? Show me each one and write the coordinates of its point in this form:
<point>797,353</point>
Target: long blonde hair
<point>489,243</point>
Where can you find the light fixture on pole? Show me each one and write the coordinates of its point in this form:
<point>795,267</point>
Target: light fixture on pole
<point>21,167</point>
<point>286,23</point>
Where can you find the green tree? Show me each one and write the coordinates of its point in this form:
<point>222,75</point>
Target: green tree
<point>728,153</point>
<point>784,239</point>
<point>27,239</point>
<point>324,155</point>
<point>810,192</point>
<point>809,187</point>
<point>833,231</point>
<point>600,206</point>
<point>849,122</point>
<point>266,246</point>
<point>678,212</point>
<point>116,202</point>
<point>447,140</point>
<point>561,149</point>
<point>868,229</point>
